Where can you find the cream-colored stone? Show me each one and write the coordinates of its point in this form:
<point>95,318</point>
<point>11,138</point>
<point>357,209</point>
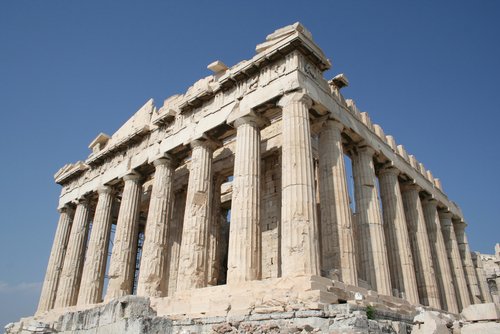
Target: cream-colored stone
<point>153,276</point>
<point>396,232</point>
<point>192,272</point>
<point>123,256</point>
<point>454,259</point>
<point>373,264</point>
<point>56,260</point>
<point>421,251</point>
<point>336,224</point>
<point>244,255</point>
<point>480,312</point>
<point>97,251</point>
<point>299,223</point>
<point>71,274</point>
<point>440,257</point>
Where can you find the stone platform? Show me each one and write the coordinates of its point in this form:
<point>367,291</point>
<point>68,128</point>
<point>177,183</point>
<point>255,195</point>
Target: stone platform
<point>281,305</point>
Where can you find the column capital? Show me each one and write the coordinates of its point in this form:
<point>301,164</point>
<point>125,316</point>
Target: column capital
<point>68,208</point>
<point>253,119</point>
<point>459,225</point>
<point>445,214</point>
<point>103,189</point>
<point>205,142</point>
<point>389,170</point>
<point>295,97</point>
<point>166,159</point>
<point>366,149</point>
<point>407,186</point>
<point>430,201</point>
<point>132,176</point>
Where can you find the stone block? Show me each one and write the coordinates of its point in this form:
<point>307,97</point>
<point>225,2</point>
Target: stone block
<point>479,312</point>
<point>481,328</point>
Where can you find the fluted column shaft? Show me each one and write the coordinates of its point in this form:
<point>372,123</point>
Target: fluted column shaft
<point>193,254</point>
<point>71,274</point>
<point>244,262</point>
<point>214,242</point>
<point>175,239</point>
<point>481,278</point>
<point>299,222</point>
<point>153,276</point>
<point>56,260</point>
<point>94,268</point>
<point>372,247</point>
<point>465,254</point>
<point>441,263</point>
<point>419,242</point>
<point>454,259</point>
<point>396,233</point>
<point>337,240</point>
<point>123,256</point>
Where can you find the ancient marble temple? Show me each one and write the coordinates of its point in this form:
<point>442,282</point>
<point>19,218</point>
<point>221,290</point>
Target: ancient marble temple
<point>240,184</point>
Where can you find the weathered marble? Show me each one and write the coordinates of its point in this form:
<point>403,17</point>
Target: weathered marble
<point>56,260</point>
<point>398,243</point>
<point>94,267</point>
<point>71,275</point>
<point>153,277</point>
<point>299,220</point>
<point>123,256</point>
<point>372,249</point>
<point>336,224</point>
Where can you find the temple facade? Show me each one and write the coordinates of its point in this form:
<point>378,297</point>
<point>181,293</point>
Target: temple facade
<point>244,181</point>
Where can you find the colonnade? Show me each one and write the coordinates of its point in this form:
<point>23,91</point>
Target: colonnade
<point>398,240</point>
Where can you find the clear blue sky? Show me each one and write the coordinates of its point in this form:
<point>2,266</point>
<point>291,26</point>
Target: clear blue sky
<point>427,71</point>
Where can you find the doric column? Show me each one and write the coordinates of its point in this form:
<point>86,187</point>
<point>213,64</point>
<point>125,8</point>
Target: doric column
<point>123,256</point>
<point>481,278</point>
<point>94,268</point>
<point>336,218</point>
<point>244,257</point>
<point>465,254</point>
<point>419,242</point>
<point>175,239</point>
<point>193,254</point>
<point>71,274</point>
<point>299,222</point>
<point>56,260</point>
<point>438,250</point>
<point>153,276</point>
<point>372,250</point>
<point>454,259</point>
<point>214,241</point>
<point>396,233</point>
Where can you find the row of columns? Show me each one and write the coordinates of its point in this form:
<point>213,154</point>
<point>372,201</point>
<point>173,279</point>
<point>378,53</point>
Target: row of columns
<point>401,246</point>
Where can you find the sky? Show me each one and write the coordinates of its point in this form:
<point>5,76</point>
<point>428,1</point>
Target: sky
<point>427,71</point>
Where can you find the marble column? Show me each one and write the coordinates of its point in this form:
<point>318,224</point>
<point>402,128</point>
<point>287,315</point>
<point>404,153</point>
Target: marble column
<point>419,242</point>
<point>336,219</point>
<point>56,260</point>
<point>372,247</point>
<point>244,262</point>
<point>71,274</point>
<point>457,270</point>
<point>175,240</point>
<point>123,256</point>
<point>438,251</point>
<point>153,277</point>
<point>94,268</point>
<point>396,232</point>
<point>194,248</point>
<point>299,222</point>
<point>214,242</point>
<point>481,278</point>
<point>465,254</point>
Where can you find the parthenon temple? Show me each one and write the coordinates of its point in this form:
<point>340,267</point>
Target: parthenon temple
<point>236,198</point>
